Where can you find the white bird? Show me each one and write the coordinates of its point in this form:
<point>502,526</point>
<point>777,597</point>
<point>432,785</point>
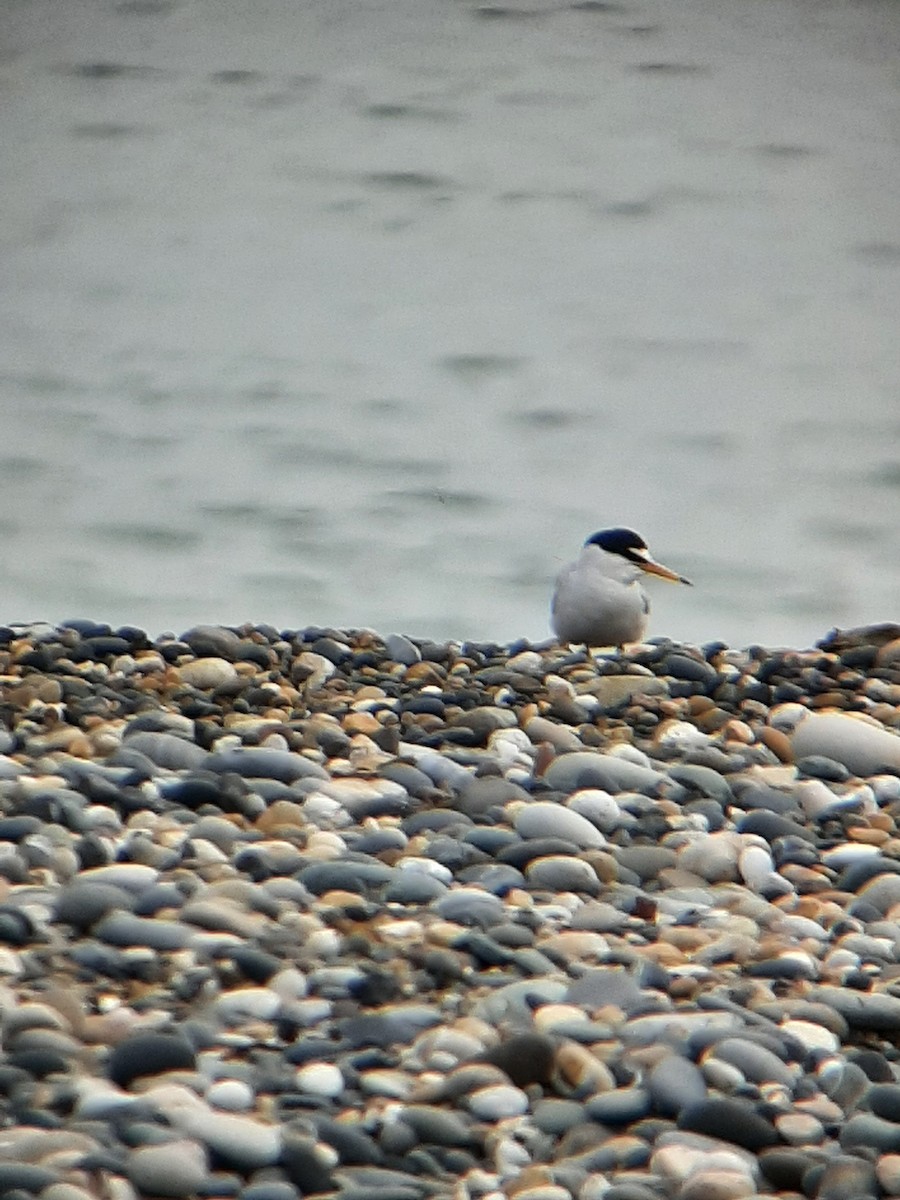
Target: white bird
<point>598,600</point>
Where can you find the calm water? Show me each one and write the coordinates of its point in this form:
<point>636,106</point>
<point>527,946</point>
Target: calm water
<point>368,313</point>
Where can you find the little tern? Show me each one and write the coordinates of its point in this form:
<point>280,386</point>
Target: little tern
<point>598,600</point>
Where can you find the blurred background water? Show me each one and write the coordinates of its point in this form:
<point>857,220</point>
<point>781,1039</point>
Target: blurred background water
<point>367,313</point>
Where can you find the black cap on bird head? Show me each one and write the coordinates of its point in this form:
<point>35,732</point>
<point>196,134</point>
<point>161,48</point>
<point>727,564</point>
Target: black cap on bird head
<point>617,541</point>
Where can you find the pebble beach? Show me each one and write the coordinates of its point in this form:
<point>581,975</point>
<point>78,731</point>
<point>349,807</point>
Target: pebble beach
<point>324,913</point>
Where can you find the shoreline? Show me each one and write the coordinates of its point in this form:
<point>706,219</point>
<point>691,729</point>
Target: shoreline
<point>381,918</point>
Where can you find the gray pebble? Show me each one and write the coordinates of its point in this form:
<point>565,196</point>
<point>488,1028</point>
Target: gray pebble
<point>674,1084</point>
<point>173,1169</point>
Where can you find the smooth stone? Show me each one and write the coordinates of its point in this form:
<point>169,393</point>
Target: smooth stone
<point>305,1161</point>
<point>10,769</point>
<point>818,766</point>
<point>82,904</point>
<point>520,853</point>
<point>239,1142</point>
<point>756,867</point>
<point>674,1029</point>
<point>125,929</point>
<point>415,782</point>
<point>730,1120</point>
<point>554,1116</point>
<point>771,826</point>
<point>469,906</point>
<point>562,739</point>
<point>848,854</point>
<point>784,1167</point>
<point>623,1189</point>
<point>682,666</point>
<point>208,673</point>
<point>754,1062</point>
<point>599,807</point>
<point>882,892</point>
<point>847,1176</point>
<point>497,878</point>
<point>614,690</point>
<point>854,877</point>
<point>873,1064</point>
<point>884,1101</point>
<point>811,1036</point>
<point>561,874</point>
<point>262,762</point>
<point>271,1189</point>
<point>597,916</point>
<point>320,1079</point>
<point>344,875</point>
<point>646,862</point>
<point>844,1082</point>
<point>715,1183</point>
<point>765,799</point>
<point>483,721</point>
<point>713,857</point>
<point>444,772</point>
<point>166,750</point>
<point>866,1131</point>
<point>703,780</point>
<point>437,1125</point>
<point>16,828</point>
<point>231,1095</point>
<point>65,1191</point>
<point>212,640</point>
<point>862,748</point>
<point>586,769</point>
<point>149,1054</point>
<point>674,1083</point>
<point>480,795</point>
<point>541,819</point>
<point>543,1191</point>
<point>887,1171</point>
<point>526,1058</point>
<point>873,1011</point>
<point>402,650</point>
<point>498,1102</point>
<point>602,986</point>
<point>387,1027</point>
<point>246,1004</point>
<point>173,1169</point>
<point>621,1106</point>
<point>799,1129</point>
<point>412,887</point>
<point>354,1145</point>
<point>380,1183</point>
<point>17,1178</point>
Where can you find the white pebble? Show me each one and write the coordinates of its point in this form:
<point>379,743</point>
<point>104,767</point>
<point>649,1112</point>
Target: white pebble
<point>320,1079</point>
<point>290,983</point>
<point>545,819</point>
<point>497,1102</point>
<point>232,1095</point>
<point>425,866</point>
<point>755,865</point>
<point>599,807</point>
<point>205,673</point>
<point>848,853</point>
<point>320,809</point>
<point>682,736</point>
<point>241,1004</point>
<point>811,1035</point>
<point>324,944</point>
<point>885,787</point>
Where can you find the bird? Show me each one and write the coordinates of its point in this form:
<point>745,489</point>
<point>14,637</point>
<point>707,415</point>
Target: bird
<point>598,600</point>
